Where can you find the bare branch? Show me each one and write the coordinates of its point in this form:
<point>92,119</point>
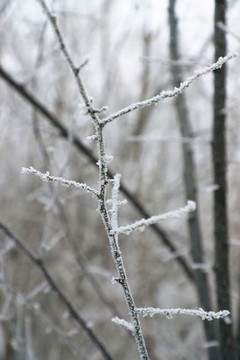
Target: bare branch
<point>65,51</point>
<point>140,225</point>
<point>48,178</point>
<point>79,145</point>
<point>40,265</point>
<point>204,315</point>
<point>123,323</point>
<point>171,93</point>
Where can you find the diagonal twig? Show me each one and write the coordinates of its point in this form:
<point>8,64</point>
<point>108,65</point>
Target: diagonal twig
<point>40,265</point>
<point>63,132</point>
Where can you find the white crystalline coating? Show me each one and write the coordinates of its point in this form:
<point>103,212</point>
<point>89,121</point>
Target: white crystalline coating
<point>48,178</point>
<point>108,159</point>
<point>114,281</point>
<point>204,315</point>
<point>170,93</point>
<point>115,202</point>
<point>139,225</point>
<point>92,138</point>
<point>129,326</point>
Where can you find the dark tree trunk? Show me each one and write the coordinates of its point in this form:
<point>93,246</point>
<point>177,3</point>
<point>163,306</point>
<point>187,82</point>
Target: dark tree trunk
<point>190,182</point>
<point>220,195</point>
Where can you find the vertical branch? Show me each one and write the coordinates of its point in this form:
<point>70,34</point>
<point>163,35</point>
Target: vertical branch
<point>113,241</point>
<point>103,182</point>
<point>190,183</point>
<point>220,195</point>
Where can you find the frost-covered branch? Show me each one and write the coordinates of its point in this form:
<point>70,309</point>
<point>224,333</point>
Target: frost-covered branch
<point>110,217</point>
<point>171,93</point>
<point>102,201</point>
<point>141,224</point>
<point>67,55</point>
<point>114,201</point>
<point>48,178</point>
<point>204,315</point>
<point>124,323</point>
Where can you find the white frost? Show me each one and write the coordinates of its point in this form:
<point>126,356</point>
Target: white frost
<point>92,138</point>
<point>48,178</point>
<point>170,93</point>
<point>139,225</point>
<point>124,323</point>
<point>205,315</point>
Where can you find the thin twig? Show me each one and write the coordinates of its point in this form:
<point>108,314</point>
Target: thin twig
<point>79,145</point>
<point>48,178</point>
<point>102,206</point>
<point>204,315</point>
<point>66,53</point>
<point>140,225</point>
<point>171,93</point>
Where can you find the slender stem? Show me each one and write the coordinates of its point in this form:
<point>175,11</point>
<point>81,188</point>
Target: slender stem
<point>80,146</point>
<point>103,181</point>
<point>171,93</point>
<point>115,249</point>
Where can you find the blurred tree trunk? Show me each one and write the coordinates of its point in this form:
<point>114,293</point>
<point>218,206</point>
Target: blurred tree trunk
<point>190,182</point>
<point>238,333</point>
<point>220,196</point>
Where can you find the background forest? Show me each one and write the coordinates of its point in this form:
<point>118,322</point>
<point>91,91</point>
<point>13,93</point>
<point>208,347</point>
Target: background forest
<point>126,51</point>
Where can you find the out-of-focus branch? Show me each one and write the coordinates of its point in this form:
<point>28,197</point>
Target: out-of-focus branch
<point>81,261</point>
<point>40,265</point>
<point>190,184</point>
<point>222,263</point>
<point>63,131</point>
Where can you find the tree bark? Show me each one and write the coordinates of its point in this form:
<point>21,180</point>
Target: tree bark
<point>220,196</point>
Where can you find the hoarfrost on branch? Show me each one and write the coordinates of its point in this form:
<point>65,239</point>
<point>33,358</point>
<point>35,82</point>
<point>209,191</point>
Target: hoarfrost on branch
<point>204,315</point>
<point>140,225</point>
